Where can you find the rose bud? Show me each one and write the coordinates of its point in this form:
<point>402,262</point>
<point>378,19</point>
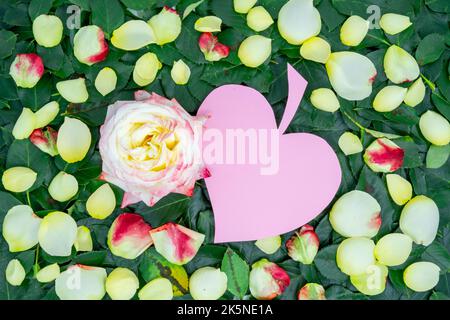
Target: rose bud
<point>383,155</point>
<point>180,72</point>
<point>45,140</point>
<point>255,50</point>
<point>63,187</point>
<point>57,234</point>
<point>269,245</point>
<point>351,74</point>
<point>435,128</point>
<point>20,228</point>
<point>399,188</point>
<point>399,65</point>
<point>325,99</point>
<point>46,114</point>
<point>101,204</point>
<point>121,284</point>
<point>393,249</point>
<point>48,273</point>
<point>207,283</point>
<point>353,31</point>
<point>74,91</point>
<point>146,69</point>
<point>133,35</point>
<point>389,98</point>
<point>267,280</point>
<point>373,281</point>
<point>176,243</point>
<point>89,45</point>
<point>160,137</point>
<point>208,24</point>
<point>157,289</point>
<point>106,81</point>
<point>316,49</point>
<point>258,19</point>
<point>356,214</point>
<point>420,220</point>
<point>80,282</point>
<point>243,6</point>
<point>421,276</point>
<point>311,291</point>
<point>129,236</point>
<point>15,273</point>
<point>83,242</point>
<point>393,23</point>
<point>18,179</point>
<point>303,245</point>
<point>74,140</point>
<point>349,143</point>
<point>212,49</point>
<point>27,69</point>
<point>355,255</point>
<point>47,30</point>
<point>415,93</point>
<point>298,20</point>
<point>166,25</point>
<point>24,125</point>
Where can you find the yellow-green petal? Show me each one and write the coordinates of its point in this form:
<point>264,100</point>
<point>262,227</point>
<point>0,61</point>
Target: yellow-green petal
<point>208,24</point>
<point>259,19</point>
<point>243,6</point>
<point>57,234</point>
<point>157,289</point>
<point>399,65</point>
<point>18,179</point>
<point>349,143</point>
<point>354,30</point>
<point>316,49</point>
<point>24,125</point>
<point>122,284</point>
<point>48,273</point>
<point>73,90</point>
<point>421,276</point>
<point>389,98</point>
<point>48,30</point>
<point>393,23</point>
<point>207,283</point>
<point>101,203</point>
<point>15,273</point>
<point>83,241</point>
<point>180,72</point>
<point>415,93</point>
<point>399,188</point>
<point>133,35</point>
<point>255,50</point>
<point>393,249</point>
<point>74,140</point>
<point>106,81</point>
<point>63,187</point>
<point>146,69</point>
<point>325,99</point>
<point>269,245</point>
<point>355,255</point>
<point>46,114</point>
<point>372,282</point>
<point>435,128</point>
<point>20,228</point>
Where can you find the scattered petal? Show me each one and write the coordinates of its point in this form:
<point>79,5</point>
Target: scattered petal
<point>24,125</point>
<point>20,228</point>
<point>383,155</point>
<point>212,49</point>
<point>421,276</point>
<point>258,19</point>
<point>355,255</point>
<point>389,98</point>
<point>74,140</point>
<point>106,81</point>
<point>400,66</point>
<point>316,49</point>
<point>255,50</point>
<point>415,93</point>
<point>399,188</point>
<point>312,291</point>
<point>180,72</point>
<point>101,203</point>
<point>48,30</point>
<point>269,245</point>
<point>74,91</point>
<point>63,187</point>
<point>393,23</point>
<point>208,283</point>
<point>350,144</point>
<point>267,280</point>
<point>208,24</point>
<point>26,70</point>
<point>372,282</point>
<point>243,6</point>
<point>325,99</point>
<point>48,273</point>
<point>133,35</point>
<point>83,242</point>
<point>166,26</point>
<point>435,128</point>
<point>46,114</point>
<point>303,245</point>
<point>121,284</point>
<point>18,179</point>
<point>57,234</point>
<point>157,289</point>
<point>354,30</point>
<point>393,249</point>
<point>89,45</point>
<point>15,273</point>
<point>146,69</point>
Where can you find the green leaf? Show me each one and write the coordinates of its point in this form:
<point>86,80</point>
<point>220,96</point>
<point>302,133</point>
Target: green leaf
<point>92,258</point>
<point>169,208</point>
<point>38,7</point>
<point>138,4</point>
<point>107,14</point>
<point>237,271</point>
<point>437,156</point>
<point>37,96</point>
<point>8,40</point>
<point>8,88</point>
<point>438,254</point>
<point>325,261</point>
<point>430,49</point>
<point>438,5</point>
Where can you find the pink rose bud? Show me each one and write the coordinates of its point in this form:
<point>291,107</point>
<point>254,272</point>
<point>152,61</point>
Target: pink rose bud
<point>303,245</point>
<point>267,280</point>
<point>89,45</point>
<point>311,291</point>
<point>129,236</point>
<point>45,140</point>
<point>176,243</point>
<point>212,48</point>
<point>383,155</point>
<point>27,70</point>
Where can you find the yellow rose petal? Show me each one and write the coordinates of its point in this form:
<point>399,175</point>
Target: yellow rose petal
<point>208,24</point>
<point>20,228</point>
<point>83,242</point>
<point>24,125</point>
<point>243,6</point>
<point>15,273</point>
<point>46,114</point>
<point>400,66</point>
<point>106,81</point>
<point>47,30</point>
<point>74,91</point>
<point>393,249</point>
<point>349,143</point>
<point>421,276</point>
<point>122,284</point>
<point>101,203</point>
<point>354,30</point>
<point>389,98</point>
<point>74,140</point>
<point>372,282</point>
<point>415,93</point>
<point>63,187</point>
<point>259,19</point>
<point>157,289</point>
<point>180,72</point>
<point>48,273</point>
<point>166,26</point>
<point>207,283</point>
<point>57,234</point>
<point>133,35</point>
<point>18,179</point>
<point>355,255</point>
<point>146,69</point>
<point>255,50</point>
<point>392,23</point>
<point>399,188</point>
<point>269,245</point>
<point>324,99</point>
<point>316,49</point>
<point>435,128</point>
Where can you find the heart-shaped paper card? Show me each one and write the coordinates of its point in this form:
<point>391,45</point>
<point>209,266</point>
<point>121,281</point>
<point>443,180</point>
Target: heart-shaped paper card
<point>263,182</point>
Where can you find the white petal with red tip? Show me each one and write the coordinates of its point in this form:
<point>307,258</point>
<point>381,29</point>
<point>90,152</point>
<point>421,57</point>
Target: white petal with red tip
<point>259,19</point>
<point>400,66</point>
<point>267,280</point>
<point>74,91</point>
<point>355,255</point>
<point>24,125</point>
<point>399,188</point>
<point>351,75</point>
<point>122,284</point>
<point>393,249</point>
<point>393,23</point>
<point>207,283</point>
<point>389,98</point>
<point>18,179</point>
<point>312,291</point>
<point>243,6</point>
<point>298,20</point>
<point>101,203</point>
<point>89,45</point>
<point>106,81</point>
<point>354,30</point>
<point>57,234</point>
<point>81,282</point>
<point>316,49</point>
<point>415,93</point>
<point>356,214</point>
<point>133,35</point>
<point>269,245</point>
<point>46,114</point>
<point>15,273</point>
<point>255,50</point>
<point>435,128</point>
<point>20,228</point>
<point>26,70</point>
<point>421,276</point>
<point>63,187</point>
<point>157,289</point>
<point>74,140</point>
<point>166,26</point>
<point>383,155</point>
<point>350,144</point>
<point>208,24</point>
<point>48,30</point>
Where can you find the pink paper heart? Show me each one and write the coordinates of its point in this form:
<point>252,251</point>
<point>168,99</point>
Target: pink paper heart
<point>247,204</point>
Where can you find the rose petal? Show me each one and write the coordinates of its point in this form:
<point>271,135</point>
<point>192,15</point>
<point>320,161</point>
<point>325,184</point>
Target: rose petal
<point>325,99</point>
<point>311,291</point>
<point>24,125</point>
<point>421,276</point>
<point>45,140</point>
<point>316,49</point>
<point>383,155</point>
<point>166,26</point>
<point>269,245</point>
<point>389,98</point>
<point>133,35</point>
<point>74,140</point>
<point>372,282</point>
<point>73,90</point>
<point>48,30</point>
<point>208,283</point>
<point>355,255</point>
<point>89,45</point>
<point>259,19</point>
<point>399,188</point>
<point>146,69</point>
<point>400,66</point>
<point>393,249</point>
<point>122,284</point>
<point>267,280</point>
<point>415,93</point>
<point>354,30</point>
<point>15,273</point>
<point>157,289</point>
<point>255,50</point>
<point>57,234</point>
<point>63,187</point>
<point>350,144</point>
<point>212,49</point>
<point>208,24</point>
<point>48,273</point>
<point>46,114</point>
<point>303,245</point>
<point>18,179</point>
<point>392,23</point>
<point>435,128</point>
<point>180,72</point>
<point>101,203</point>
<point>26,70</point>
<point>243,6</point>
<point>20,228</point>
<point>106,81</point>
<point>83,242</point>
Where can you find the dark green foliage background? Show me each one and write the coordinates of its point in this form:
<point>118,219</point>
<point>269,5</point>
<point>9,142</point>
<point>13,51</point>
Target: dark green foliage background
<point>428,39</point>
